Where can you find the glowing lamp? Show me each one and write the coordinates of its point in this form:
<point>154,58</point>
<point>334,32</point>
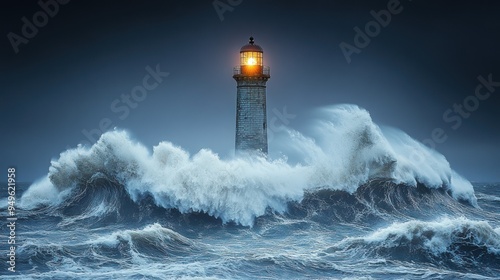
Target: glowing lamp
<point>251,61</point>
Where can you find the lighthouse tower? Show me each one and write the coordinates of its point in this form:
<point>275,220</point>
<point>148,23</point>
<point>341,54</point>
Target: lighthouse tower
<point>251,119</point>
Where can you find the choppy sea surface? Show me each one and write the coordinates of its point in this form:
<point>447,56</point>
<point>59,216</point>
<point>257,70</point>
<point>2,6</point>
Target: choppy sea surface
<point>363,202</point>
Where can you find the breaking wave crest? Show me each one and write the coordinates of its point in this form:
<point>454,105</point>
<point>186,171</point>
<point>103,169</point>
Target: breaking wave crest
<point>135,246</point>
<point>457,243</point>
<point>348,151</point>
<point>151,240</point>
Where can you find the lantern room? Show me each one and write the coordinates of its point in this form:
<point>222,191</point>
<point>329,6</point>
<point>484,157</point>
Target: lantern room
<point>251,60</point>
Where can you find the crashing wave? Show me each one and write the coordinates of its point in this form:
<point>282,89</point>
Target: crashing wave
<point>348,151</point>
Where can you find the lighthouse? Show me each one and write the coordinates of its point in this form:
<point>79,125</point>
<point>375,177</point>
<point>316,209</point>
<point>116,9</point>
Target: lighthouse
<point>251,119</point>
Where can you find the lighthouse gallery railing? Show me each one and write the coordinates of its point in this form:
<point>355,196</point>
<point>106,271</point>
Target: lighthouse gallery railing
<point>265,70</point>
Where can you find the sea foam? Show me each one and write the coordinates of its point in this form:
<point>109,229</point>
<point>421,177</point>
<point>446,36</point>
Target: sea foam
<point>346,150</point>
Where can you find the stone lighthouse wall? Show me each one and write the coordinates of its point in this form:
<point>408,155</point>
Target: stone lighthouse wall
<point>251,119</point>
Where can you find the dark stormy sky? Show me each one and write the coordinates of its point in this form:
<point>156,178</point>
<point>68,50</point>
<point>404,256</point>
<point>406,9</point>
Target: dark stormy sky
<point>65,78</point>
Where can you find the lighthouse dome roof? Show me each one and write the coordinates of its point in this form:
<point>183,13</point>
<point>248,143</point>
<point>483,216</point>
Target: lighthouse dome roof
<point>251,47</point>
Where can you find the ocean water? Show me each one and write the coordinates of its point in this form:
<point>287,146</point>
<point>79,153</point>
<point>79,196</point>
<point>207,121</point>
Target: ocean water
<point>362,202</point>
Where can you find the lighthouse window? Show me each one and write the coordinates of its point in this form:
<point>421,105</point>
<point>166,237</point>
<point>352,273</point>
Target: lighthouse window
<point>251,58</point>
